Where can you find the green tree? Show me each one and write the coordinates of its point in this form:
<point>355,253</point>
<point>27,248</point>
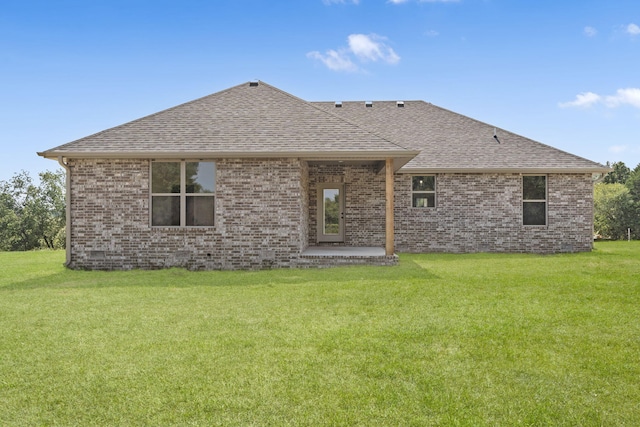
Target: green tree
<point>633,184</point>
<point>618,175</point>
<point>614,211</point>
<point>32,216</point>
<point>9,221</point>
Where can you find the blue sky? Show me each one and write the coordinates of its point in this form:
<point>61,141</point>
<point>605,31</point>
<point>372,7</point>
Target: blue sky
<point>566,73</point>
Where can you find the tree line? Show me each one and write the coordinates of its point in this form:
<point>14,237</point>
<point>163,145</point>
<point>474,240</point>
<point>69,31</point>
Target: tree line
<point>32,215</point>
<point>617,203</point>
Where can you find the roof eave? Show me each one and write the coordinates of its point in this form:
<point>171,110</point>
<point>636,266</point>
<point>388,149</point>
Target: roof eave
<point>401,157</point>
<point>524,170</point>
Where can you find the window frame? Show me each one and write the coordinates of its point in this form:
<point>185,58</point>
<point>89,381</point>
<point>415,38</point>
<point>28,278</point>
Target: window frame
<point>434,191</point>
<point>182,194</point>
<point>545,200</point>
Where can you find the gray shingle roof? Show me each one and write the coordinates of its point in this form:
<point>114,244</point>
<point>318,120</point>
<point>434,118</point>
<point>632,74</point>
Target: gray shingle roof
<point>250,119</point>
<point>260,120</point>
<point>452,142</point>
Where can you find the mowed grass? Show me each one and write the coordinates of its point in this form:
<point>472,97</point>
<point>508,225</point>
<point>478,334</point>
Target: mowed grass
<point>469,340</point>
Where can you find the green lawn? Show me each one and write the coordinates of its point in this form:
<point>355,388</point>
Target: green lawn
<point>467,340</point>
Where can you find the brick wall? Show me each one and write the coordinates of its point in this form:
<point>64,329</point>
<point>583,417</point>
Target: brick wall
<point>266,215</point>
<point>259,210</point>
<point>364,202</point>
<point>483,213</point>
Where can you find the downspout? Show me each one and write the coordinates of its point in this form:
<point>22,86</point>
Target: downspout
<point>67,210</point>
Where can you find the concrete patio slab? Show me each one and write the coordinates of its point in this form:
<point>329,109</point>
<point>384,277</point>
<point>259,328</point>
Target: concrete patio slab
<point>344,251</point>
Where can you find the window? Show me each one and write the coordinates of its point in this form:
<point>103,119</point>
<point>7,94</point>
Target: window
<point>534,200</point>
<point>423,191</point>
<point>183,193</point>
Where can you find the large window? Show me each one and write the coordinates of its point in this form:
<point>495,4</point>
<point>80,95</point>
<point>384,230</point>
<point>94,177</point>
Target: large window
<point>534,200</point>
<point>183,193</point>
<point>423,191</point>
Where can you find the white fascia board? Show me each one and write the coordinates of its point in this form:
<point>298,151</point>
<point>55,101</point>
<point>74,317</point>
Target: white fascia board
<point>401,157</point>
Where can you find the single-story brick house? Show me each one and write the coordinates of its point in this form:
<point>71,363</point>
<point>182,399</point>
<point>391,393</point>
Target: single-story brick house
<point>253,177</point>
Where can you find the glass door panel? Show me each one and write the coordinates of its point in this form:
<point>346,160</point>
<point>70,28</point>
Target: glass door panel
<point>331,213</point>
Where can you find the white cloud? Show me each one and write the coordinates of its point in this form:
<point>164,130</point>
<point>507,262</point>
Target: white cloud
<point>633,29</point>
<point>334,60</point>
<point>364,48</point>
<point>628,96</point>
<point>431,33</point>
<point>583,100</point>
<point>423,1</point>
<point>590,31</point>
<point>329,2</point>
<point>372,48</point>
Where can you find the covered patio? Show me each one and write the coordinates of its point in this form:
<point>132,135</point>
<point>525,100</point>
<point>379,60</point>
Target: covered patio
<point>351,207</point>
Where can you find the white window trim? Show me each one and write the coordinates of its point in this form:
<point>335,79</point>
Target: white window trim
<point>434,192</point>
<point>183,193</point>
<point>546,200</point>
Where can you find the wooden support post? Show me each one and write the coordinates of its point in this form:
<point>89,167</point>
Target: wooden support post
<point>389,247</point>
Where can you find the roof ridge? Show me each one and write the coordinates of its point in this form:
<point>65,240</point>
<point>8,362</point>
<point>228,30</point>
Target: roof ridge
<point>191,124</point>
<point>309,103</point>
<point>372,100</point>
<point>358,125</point>
<point>284,122</point>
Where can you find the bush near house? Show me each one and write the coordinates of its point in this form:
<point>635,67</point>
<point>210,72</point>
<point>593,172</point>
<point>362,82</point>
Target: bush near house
<point>614,211</point>
<point>617,203</point>
<point>477,339</point>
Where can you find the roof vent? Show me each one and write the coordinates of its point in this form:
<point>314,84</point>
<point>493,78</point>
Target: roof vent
<point>338,104</point>
<point>253,83</point>
<point>368,104</point>
<point>400,104</point>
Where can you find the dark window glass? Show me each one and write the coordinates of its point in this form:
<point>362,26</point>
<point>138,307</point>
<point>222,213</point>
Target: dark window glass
<point>534,187</point>
<point>200,211</point>
<point>423,191</point>
<point>424,183</point>
<point>534,213</point>
<point>165,177</point>
<point>183,193</point>
<point>165,210</point>
<point>534,200</point>
<point>424,200</point>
